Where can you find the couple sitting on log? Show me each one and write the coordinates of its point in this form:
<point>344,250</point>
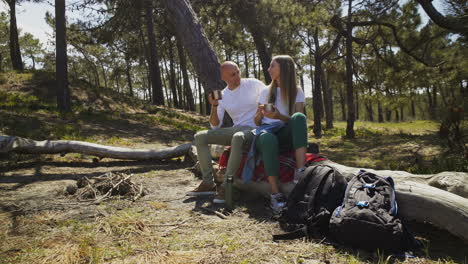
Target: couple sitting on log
<point>269,116</point>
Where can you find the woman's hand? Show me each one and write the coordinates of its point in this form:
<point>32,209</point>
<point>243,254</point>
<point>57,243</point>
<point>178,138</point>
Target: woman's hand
<point>259,115</point>
<point>275,114</point>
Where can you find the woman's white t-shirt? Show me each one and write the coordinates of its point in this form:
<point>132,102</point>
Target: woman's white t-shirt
<point>263,99</point>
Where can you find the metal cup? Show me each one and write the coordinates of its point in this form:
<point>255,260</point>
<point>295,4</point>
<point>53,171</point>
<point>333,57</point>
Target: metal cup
<point>268,107</point>
<point>217,95</point>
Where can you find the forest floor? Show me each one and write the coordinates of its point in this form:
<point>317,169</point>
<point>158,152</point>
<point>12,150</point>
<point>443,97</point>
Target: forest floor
<point>44,224</point>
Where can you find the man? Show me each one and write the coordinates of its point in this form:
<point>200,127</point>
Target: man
<point>239,100</point>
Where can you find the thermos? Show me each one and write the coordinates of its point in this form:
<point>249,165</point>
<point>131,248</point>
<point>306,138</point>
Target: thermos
<point>228,193</point>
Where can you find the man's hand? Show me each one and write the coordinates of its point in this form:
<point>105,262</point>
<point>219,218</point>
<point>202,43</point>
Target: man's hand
<point>212,100</point>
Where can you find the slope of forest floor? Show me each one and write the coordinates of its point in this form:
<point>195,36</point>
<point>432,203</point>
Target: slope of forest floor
<point>42,224</point>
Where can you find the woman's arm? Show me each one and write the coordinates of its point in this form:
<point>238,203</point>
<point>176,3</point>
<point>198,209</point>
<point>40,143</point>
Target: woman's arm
<point>259,115</point>
<point>299,107</point>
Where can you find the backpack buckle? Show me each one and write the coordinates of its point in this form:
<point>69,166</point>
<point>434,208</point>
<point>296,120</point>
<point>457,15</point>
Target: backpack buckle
<point>362,204</point>
<point>368,185</point>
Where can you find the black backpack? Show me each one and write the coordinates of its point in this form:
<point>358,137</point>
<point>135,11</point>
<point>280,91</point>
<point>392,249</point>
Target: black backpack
<point>368,217</point>
<point>311,202</point>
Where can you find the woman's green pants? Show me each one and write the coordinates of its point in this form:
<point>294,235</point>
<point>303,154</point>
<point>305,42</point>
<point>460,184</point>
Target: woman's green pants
<point>292,135</point>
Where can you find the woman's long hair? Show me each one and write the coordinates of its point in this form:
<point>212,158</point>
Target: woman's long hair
<point>288,86</point>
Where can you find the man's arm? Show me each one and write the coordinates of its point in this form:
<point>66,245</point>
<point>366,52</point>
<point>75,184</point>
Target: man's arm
<point>215,119</point>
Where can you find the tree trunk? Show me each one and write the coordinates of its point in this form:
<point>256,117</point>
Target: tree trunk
<point>180,91</point>
<point>200,94</point>
<point>34,62</point>
<point>61,69</point>
<point>357,105</point>
<point>380,112</point>
<point>434,101</point>
<point>254,66</point>
<point>128,74</point>
<point>103,72</point>
<point>349,75</point>
<point>246,64</point>
<point>370,114</point>
<point>155,71</point>
<point>15,52</point>
<point>317,88</point>
<point>413,107</point>
<point>186,83</point>
<point>193,38</point>
<point>343,103</point>
<point>430,104</point>
<point>329,100</point>
<point>247,13</point>
<point>172,77</point>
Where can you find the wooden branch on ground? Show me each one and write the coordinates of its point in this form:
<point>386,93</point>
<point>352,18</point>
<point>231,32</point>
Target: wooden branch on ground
<point>23,145</point>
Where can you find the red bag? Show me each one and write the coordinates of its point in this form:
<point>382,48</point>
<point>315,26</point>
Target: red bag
<point>287,165</point>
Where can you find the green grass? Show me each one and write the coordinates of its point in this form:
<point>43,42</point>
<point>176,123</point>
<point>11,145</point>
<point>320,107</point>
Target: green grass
<point>410,146</point>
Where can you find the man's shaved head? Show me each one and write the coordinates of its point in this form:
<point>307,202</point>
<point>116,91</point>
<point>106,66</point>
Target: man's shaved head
<point>228,65</point>
<point>230,73</point>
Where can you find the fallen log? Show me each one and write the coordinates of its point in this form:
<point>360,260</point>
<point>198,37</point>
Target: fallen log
<point>417,199</point>
<point>28,146</point>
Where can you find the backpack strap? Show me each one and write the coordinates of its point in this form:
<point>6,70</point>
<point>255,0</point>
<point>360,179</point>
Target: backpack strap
<point>298,233</point>
<point>306,189</point>
<point>316,184</point>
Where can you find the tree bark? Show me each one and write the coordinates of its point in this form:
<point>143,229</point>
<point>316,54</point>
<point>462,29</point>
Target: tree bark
<point>317,102</point>
<point>452,24</point>
<point>128,73</point>
<point>23,145</point>
<point>172,77</point>
<point>15,51</point>
<point>155,71</point>
<point>61,70</point>
<point>328,100</point>
<point>349,75</point>
<point>192,36</point>
<point>186,83</point>
<point>343,104</point>
<point>380,112</point>
<point>246,64</point>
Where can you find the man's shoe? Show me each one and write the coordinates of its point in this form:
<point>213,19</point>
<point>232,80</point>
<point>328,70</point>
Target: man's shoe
<point>277,202</point>
<point>203,189</point>
<point>220,195</point>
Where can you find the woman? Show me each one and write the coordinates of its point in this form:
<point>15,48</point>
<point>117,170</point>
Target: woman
<point>288,107</point>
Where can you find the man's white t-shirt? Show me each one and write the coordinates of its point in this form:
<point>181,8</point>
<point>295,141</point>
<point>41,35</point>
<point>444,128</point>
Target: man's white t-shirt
<point>241,103</point>
<point>263,99</point>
